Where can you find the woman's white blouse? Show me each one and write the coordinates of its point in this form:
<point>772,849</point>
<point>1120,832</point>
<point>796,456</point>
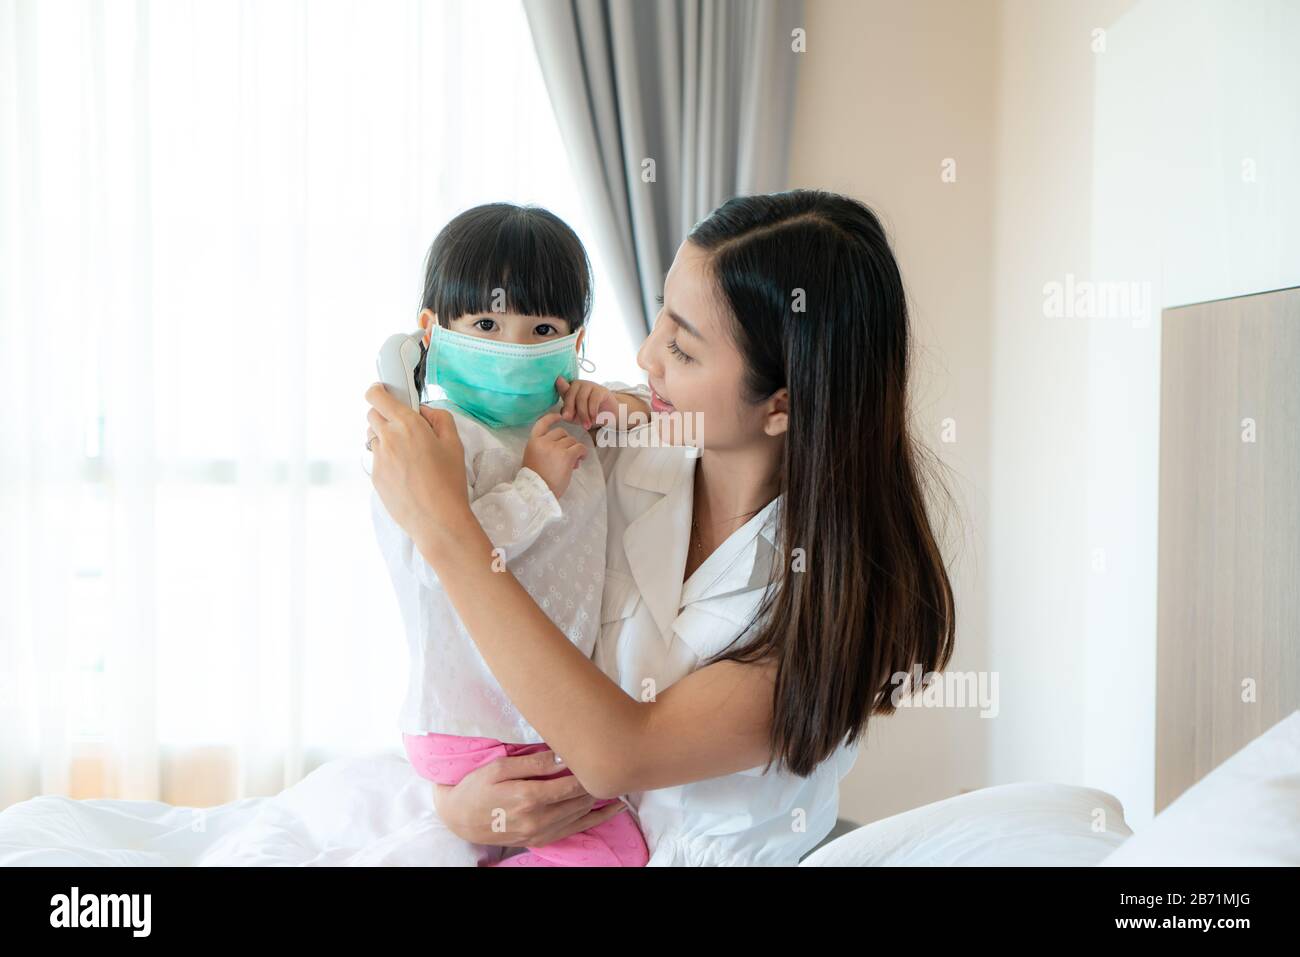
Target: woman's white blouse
<point>655,629</point>
<point>554,548</point>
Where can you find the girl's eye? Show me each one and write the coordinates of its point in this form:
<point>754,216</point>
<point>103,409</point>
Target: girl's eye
<point>544,329</point>
<point>660,299</point>
<point>672,347</point>
<point>487,325</point>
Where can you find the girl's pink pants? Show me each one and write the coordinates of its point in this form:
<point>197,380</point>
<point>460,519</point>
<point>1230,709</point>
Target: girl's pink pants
<point>617,842</point>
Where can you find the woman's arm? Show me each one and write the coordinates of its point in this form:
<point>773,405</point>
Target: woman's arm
<point>498,804</point>
<point>713,722</point>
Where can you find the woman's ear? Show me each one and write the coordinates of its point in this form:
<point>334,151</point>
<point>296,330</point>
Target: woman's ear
<point>777,416</point>
<point>577,343</point>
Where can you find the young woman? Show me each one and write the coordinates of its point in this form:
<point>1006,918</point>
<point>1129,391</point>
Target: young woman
<point>763,589</point>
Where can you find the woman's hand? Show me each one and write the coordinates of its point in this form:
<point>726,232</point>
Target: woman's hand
<point>525,813</point>
<point>419,466</point>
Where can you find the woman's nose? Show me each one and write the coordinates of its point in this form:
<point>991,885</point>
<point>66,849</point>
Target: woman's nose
<point>647,357</point>
<point>645,353</point>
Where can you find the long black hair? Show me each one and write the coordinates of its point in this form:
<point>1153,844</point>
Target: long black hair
<point>500,257</point>
<point>819,308</point>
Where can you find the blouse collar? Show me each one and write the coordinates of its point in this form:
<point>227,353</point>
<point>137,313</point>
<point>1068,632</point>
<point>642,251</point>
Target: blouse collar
<point>656,542</point>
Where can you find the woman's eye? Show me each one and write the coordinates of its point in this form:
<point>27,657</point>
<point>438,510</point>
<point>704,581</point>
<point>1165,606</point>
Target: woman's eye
<point>487,325</point>
<point>545,329</point>
<point>672,347</point>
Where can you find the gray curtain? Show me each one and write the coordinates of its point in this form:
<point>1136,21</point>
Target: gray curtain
<point>703,88</point>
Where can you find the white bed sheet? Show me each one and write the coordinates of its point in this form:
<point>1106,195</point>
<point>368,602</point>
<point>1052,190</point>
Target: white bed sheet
<point>375,810</point>
<point>371,810</point>
<point>1244,813</point>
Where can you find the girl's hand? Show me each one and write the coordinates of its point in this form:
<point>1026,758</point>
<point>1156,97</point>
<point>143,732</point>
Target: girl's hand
<point>419,465</point>
<point>525,813</point>
<point>584,400</point>
<point>553,453</point>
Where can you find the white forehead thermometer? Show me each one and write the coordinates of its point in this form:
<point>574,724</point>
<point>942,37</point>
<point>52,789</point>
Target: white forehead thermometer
<point>400,365</point>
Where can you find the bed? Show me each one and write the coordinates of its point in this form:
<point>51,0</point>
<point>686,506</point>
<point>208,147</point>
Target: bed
<point>1246,812</point>
<point>366,810</point>
<point>374,811</point>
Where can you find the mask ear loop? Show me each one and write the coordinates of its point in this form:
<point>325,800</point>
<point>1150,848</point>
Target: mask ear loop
<point>585,364</point>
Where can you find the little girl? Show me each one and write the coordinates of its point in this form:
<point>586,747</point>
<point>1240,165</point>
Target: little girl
<point>507,290</point>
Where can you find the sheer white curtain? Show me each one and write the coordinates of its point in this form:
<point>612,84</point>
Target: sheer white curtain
<point>211,214</point>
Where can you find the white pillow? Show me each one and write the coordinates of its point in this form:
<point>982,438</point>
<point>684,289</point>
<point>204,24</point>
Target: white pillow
<point>1244,812</point>
<point>1027,824</point>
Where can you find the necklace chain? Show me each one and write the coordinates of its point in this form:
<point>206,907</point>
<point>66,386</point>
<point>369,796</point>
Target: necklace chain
<point>695,526</point>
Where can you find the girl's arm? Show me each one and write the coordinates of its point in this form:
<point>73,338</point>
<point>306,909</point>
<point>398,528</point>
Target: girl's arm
<point>584,401</point>
<point>714,721</point>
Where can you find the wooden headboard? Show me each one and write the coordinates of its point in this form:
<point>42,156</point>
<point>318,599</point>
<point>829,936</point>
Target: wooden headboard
<point>1228,617</point>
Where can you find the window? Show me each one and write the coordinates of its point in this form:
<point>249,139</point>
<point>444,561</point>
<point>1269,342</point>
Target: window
<point>214,214</point>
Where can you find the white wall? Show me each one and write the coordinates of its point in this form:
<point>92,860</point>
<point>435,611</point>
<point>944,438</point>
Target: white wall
<point>1039,557</point>
<point>1114,165</point>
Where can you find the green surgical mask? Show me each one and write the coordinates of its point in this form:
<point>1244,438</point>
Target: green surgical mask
<point>501,384</point>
